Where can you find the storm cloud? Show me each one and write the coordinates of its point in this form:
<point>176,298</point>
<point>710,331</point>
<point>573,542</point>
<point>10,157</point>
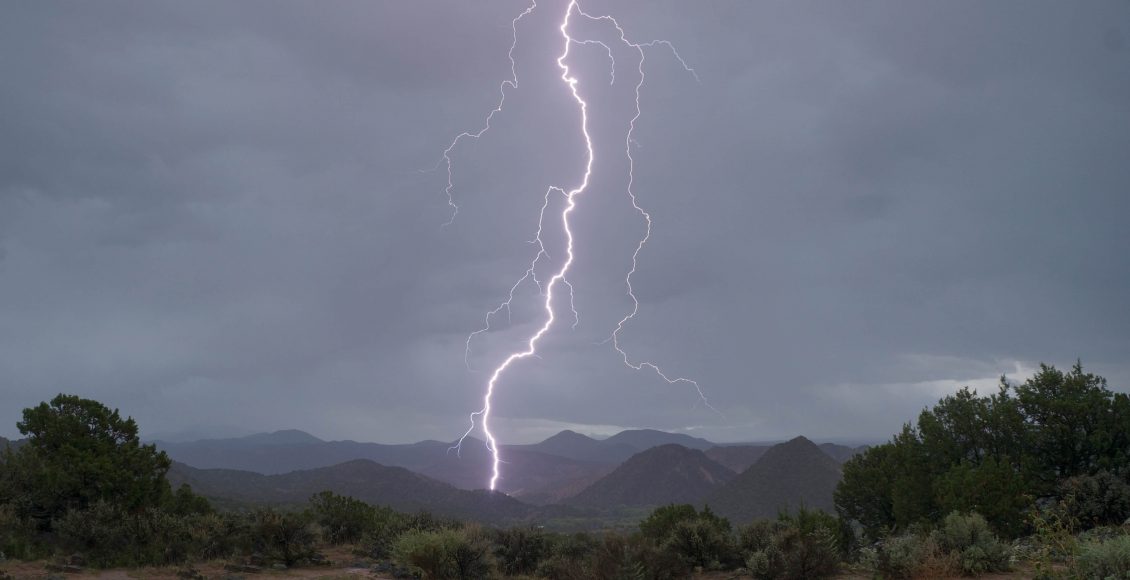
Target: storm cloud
<point>221,217</point>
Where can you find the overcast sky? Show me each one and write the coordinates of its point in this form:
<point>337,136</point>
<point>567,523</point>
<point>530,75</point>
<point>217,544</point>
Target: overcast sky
<point>213,214</point>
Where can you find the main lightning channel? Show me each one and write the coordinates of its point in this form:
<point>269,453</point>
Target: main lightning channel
<point>546,288</point>
<point>570,205</point>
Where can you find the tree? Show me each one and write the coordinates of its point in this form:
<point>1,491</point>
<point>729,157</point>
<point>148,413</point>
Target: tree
<point>1068,414</point>
<point>993,454</point>
<point>79,452</point>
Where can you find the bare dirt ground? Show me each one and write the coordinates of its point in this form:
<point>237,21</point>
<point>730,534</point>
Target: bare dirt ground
<point>345,567</point>
<point>341,569</point>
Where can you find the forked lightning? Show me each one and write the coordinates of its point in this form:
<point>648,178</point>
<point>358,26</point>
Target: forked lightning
<point>548,287</point>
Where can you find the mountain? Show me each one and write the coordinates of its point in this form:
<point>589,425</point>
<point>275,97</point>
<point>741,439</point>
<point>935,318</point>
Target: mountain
<point>287,451</point>
<point>365,480</point>
<point>787,476</point>
<point>841,453</point>
<point>14,444</point>
<point>642,439</point>
<point>284,437</point>
<point>530,476</point>
<point>737,458</point>
<point>661,475</point>
<point>573,445</point>
<point>547,470</point>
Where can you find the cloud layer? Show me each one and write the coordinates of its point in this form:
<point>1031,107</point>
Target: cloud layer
<point>212,215</point>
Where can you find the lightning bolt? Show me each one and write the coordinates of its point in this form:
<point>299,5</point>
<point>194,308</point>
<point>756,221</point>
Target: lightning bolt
<point>546,288</point>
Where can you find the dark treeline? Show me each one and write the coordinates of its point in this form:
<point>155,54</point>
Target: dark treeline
<point>1035,476</point>
<point>1058,437</point>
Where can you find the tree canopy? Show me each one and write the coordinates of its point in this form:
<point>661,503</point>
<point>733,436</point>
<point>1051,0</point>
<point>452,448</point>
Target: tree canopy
<point>79,452</point>
<point>993,454</point>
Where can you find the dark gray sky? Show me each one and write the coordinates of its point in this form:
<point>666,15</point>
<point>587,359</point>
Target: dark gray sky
<point>212,214</point>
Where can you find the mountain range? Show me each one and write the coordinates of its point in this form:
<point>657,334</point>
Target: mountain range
<point>567,475</point>
<point>361,479</point>
<point>543,472</point>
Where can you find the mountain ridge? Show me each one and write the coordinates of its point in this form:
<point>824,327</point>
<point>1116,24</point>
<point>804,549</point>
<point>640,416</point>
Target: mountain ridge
<point>786,476</point>
<point>361,479</point>
<point>661,475</point>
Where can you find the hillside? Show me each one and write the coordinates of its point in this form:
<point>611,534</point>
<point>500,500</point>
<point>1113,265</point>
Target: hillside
<point>841,453</point>
<point>573,445</point>
<point>661,475</point>
<point>531,476</point>
<point>788,475</point>
<point>737,458</point>
<point>365,480</point>
<point>643,439</point>
<point>286,451</point>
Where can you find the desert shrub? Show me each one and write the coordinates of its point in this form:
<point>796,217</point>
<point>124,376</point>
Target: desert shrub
<point>634,557</point>
<point>700,539</point>
<point>968,539</point>
<point>387,525</point>
<point>567,557</point>
<point>342,519</point>
<point>1104,559</point>
<point>519,550</point>
<point>383,531</point>
<point>430,522</point>
<point>109,536</point>
<point>472,555</point>
<point>445,553</point>
<point>659,523</point>
<point>702,543</point>
<point>804,545</point>
<point>214,536</point>
<point>615,558</point>
<point>286,537</point>
<point>1102,499</point>
<point>16,534</point>
<point>756,536</point>
<point>807,555</point>
<point>98,532</point>
<point>184,502</point>
<point>911,555</point>
<point>902,556</point>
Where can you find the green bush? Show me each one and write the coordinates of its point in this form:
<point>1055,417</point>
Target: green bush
<point>903,556</point>
<point>1104,559</point>
<point>1102,499</point>
<point>214,536</point>
<point>16,534</point>
<point>805,545</point>
<point>519,550</point>
<point>285,537</point>
<point>342,519</point>
<point>634,557</point>
<point>110,536</point>
<point>968,539</point>
<point>445,553</point>
<point>699,539</point>
<point>568,557</point>
<point>702,544</point>
<point>756,536</point>
<point>659,523</point>
<point>184,502</point>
